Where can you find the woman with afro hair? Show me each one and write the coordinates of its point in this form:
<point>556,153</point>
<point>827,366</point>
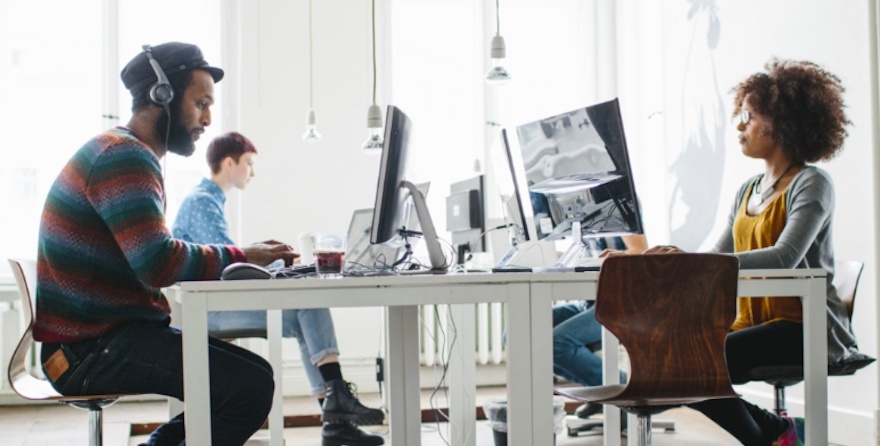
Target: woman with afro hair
<point>790,116</point>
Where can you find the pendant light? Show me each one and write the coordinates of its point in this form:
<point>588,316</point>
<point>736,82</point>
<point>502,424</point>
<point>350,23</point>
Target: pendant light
<point>497,75</point>
<point>311,135</point>
<point>373,144</point>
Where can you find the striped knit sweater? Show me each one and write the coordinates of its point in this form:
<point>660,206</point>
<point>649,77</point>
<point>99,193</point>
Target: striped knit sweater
<point>104,248</point>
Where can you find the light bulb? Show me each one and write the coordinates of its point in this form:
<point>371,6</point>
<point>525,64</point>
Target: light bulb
<point>498,75</point>
<point>373,144</point>
<point>311,135</point>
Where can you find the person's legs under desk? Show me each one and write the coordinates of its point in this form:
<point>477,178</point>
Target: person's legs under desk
<point>774,343</point>
<point>146,357</point>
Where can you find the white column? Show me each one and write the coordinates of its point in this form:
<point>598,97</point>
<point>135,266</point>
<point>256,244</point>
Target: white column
<point>542,362</point>
<point>611,375</point>
<point>519,366</point>
<point>816,362</point>
<point>462,374</point>
<point>874,54</point>
<point>606,37</point>
<point>196,376</point>
<point>404,402</point>
<point>276,416</point>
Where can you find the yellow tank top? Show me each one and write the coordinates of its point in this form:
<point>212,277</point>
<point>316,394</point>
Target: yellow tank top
<point>756,232</point>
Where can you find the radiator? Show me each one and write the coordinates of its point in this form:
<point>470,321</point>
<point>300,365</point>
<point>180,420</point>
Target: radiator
<point>436,334</point>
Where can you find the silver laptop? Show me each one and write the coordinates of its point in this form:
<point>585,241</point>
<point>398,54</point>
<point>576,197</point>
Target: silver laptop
<point>363,256</point>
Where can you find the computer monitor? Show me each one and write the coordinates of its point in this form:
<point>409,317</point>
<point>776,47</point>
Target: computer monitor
<point>464,216</point>
<point>572,172</point>
<point>395,188</point>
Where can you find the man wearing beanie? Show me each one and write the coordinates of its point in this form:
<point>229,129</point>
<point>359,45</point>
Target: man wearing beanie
<point>105,252</point>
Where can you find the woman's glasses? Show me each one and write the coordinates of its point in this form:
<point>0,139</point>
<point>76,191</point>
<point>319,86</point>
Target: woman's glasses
<point>744,116</point>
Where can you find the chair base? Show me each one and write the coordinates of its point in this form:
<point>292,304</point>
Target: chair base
<point>581,427</point>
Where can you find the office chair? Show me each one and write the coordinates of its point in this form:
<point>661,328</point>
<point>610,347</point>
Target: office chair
<point>39,389</point>
<point>846,281</point>
<point>640,299</point>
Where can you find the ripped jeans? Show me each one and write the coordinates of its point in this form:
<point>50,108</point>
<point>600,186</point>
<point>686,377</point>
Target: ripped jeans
<point>147,357</point>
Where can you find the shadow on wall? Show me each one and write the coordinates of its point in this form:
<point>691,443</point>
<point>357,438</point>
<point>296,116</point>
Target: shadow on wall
<point>696,173</point>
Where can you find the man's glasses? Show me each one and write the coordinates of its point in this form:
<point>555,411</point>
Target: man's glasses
<point>744,116</point>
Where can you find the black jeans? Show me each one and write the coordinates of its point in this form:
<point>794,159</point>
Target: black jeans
<point>775,343</point>
<point>147,357</point>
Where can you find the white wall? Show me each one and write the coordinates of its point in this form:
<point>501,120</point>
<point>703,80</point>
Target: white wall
<point>672,74</point>
<point>302,187</point>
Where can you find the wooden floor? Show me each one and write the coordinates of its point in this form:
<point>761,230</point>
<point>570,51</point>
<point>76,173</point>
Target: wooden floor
<point>59,425</point>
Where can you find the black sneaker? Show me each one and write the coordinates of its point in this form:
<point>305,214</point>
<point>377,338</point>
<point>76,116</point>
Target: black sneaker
<point>341,405</point>
<point>587,410</point>
<point>348,434</point>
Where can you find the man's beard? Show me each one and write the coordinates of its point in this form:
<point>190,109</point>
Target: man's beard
<point>179,139</point>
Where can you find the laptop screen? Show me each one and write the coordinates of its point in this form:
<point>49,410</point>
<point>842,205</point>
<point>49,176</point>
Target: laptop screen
<point>361,255</point>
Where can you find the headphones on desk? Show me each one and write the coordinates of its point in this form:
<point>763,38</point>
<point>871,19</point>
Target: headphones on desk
<point>161,93</point>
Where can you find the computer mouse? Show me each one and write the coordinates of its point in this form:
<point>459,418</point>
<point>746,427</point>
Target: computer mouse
<point>245,271</point>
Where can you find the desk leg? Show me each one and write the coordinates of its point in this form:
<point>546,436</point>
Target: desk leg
<point>611,375</point>
<point>462,375</point>
<point>196,377</point>
<point>520,399</point>
<point>404,400</point>
<point>542,363</point>
<point>816,362</point>
<point>276,416</point>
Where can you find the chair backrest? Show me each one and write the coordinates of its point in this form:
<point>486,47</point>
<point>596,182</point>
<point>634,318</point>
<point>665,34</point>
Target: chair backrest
<point>672,312</point>
<point>846,280</point>
<point>24,384</point>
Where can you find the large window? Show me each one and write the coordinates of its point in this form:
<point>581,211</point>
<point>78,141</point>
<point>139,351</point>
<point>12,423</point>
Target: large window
<point>51,95</point>
<point>155,22</point>
<point>50,103</point>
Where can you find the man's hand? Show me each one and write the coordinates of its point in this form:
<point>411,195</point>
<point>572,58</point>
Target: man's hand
<point>269,251</point>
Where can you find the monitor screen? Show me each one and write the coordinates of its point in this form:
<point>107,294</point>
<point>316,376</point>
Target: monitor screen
<point>574,167</point>
<point>464,215</point>
<point>397,196</point>
<point>391,212</point>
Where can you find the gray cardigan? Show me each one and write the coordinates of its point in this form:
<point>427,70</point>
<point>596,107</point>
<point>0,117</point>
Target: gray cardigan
<point>805,242</point>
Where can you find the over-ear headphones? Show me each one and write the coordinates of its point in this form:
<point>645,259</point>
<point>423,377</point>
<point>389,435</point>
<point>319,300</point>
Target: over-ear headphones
<point>161,93</point>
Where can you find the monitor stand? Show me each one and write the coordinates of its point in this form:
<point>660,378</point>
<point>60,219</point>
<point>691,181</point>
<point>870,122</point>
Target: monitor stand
<point>435,253</point>
<point>578,256</point>
<point>577,251</point>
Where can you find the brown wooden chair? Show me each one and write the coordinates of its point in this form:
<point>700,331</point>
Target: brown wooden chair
<point>672,313</point>
<point>846,281</point>
<point>33,388</point>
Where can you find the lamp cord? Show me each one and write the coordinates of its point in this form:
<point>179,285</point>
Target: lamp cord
<point>497,19</point>
<point>374,50</point>
<point>311,74</point>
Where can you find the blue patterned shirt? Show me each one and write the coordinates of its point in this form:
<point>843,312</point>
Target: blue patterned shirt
<point>201,218</point>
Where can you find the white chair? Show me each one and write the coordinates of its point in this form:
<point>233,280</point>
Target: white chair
<point>32,388</point>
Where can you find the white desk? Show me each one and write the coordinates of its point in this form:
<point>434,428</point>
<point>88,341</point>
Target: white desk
<point>530,357</point>
<point>401,296</point>
<point>808,283</point>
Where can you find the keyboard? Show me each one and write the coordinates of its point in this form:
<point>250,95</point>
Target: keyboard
<point>589,262</point>
<point>293,271</point>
